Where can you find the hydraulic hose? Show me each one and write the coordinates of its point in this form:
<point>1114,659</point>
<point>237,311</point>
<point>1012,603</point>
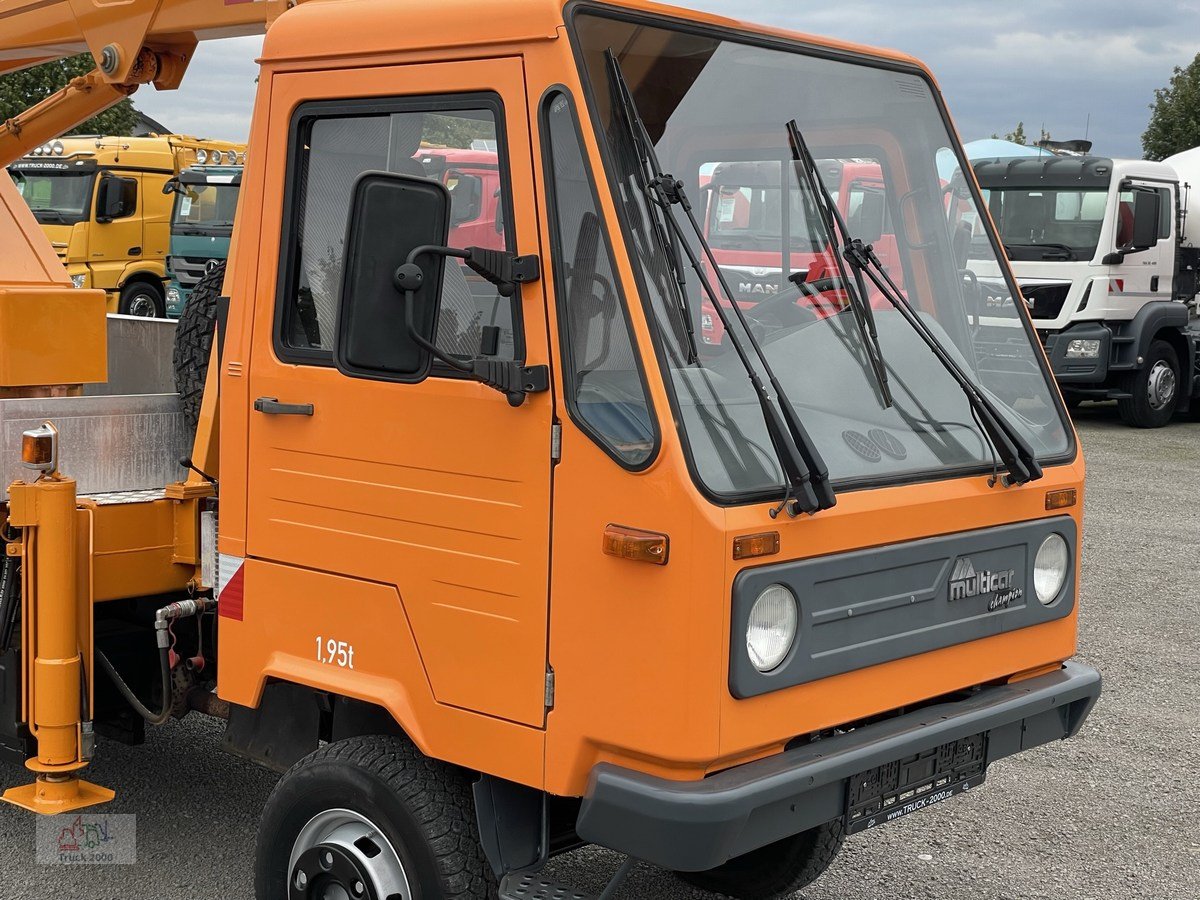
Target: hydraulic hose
<point>164,660</point>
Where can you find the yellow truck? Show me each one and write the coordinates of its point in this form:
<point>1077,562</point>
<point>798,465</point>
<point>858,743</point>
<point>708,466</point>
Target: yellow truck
<point>101,202</point>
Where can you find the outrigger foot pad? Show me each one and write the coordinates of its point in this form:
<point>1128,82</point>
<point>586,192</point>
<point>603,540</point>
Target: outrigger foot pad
<point>51,796</point>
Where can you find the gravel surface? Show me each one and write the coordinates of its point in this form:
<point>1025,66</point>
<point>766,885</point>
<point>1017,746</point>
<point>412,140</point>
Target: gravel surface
<point>1113,815</point>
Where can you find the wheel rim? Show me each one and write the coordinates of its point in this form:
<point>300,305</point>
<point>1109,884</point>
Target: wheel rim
<point>1160,386</point>
<point>343,855</point>
<point>143,305</point>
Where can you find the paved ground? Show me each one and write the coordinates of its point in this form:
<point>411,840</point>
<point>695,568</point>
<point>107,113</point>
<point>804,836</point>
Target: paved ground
<point>1112,816</point>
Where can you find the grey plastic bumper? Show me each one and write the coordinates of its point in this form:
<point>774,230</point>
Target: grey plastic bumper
<point>696,825</point>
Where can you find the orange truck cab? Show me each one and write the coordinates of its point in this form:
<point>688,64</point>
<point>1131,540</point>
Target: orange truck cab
<point>510,560</point>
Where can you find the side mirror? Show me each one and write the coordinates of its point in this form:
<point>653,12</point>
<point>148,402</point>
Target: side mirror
<point>1146,216</point>
<point>383,329</point>
<point>116,198</point>
<point>466,198</point>
<point>871,215</point>
<point>171,186</point>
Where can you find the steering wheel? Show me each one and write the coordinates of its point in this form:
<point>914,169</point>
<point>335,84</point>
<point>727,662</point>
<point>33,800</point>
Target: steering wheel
<point>783,309</point>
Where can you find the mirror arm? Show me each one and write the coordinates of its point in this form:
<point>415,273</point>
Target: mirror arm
<point>509,378</point>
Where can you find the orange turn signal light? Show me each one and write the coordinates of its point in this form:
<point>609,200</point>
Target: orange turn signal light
<point>748,546</point>
<point>39,448</point>
<point>638,546</point>
<point>1063,499</point>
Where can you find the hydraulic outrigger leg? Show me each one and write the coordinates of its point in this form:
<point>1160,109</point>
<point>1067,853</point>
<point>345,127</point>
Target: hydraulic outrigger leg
<point>54,630</point>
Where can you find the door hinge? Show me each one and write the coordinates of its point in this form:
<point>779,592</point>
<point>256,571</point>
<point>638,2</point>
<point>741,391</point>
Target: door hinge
<point>549,688</point>
<point>556,442</point>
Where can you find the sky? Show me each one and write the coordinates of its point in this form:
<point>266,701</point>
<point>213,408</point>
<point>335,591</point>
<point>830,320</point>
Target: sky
<point>1047,63</point>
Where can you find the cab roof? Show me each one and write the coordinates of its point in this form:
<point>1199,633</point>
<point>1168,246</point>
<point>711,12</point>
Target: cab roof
<point>329,29</point>
<point>1065,171</point>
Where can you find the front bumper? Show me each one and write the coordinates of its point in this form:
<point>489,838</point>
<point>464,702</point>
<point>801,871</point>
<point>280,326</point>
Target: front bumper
<point>697,825</point>
<point>1079,371</point>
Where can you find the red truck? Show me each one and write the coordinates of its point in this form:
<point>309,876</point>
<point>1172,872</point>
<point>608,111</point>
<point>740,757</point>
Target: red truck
<point>746,220</point>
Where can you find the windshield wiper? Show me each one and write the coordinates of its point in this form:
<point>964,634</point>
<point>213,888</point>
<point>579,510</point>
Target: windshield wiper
<point>835,226</point>
<point>806,477</point>
<point>1063,252</point>
<point>1010,445</point>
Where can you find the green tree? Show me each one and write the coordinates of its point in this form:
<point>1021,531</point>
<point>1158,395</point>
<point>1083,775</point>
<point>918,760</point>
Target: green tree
<point>1175,115</point>
<point>1017,135</point>
<point>23,89</point>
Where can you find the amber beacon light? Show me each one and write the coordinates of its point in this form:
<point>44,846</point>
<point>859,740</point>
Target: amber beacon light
<point>638,546</point>
<point>39,448</point>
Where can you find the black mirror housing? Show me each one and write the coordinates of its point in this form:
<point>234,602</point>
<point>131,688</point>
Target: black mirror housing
<point>116,198</point>
<point>1146,217</point>
<point>391,217</point>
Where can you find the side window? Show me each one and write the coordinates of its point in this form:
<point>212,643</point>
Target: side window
<point>606,391</point>
<point>332,145</point>
<point>1166,209</point>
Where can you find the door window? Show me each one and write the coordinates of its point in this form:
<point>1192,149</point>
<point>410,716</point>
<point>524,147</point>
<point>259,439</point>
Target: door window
<point>605,388</point>
<point>332,145</point>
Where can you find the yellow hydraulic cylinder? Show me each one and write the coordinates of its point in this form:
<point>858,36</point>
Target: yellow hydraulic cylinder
<point>45,511</point>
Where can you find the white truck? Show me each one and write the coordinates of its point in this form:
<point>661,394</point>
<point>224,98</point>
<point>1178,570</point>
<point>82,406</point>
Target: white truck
<point>1107,262</point>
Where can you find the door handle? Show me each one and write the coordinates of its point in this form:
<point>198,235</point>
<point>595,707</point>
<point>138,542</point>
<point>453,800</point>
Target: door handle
<point>272,407</point>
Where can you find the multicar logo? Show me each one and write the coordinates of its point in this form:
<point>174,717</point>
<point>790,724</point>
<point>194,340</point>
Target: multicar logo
<point>966,583</point>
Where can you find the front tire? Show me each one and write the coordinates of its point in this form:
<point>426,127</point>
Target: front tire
<point>776,870</point>
<point>371,818</point>
<point>1154,389</point>
<point>142,299</point>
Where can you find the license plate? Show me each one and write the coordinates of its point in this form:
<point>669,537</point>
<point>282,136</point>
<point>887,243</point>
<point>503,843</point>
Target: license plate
<point>897,789</point>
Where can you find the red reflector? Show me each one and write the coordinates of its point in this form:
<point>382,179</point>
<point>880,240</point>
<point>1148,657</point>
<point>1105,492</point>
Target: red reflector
<point>231,603</point>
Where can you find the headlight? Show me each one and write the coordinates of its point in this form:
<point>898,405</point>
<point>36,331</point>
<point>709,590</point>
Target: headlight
<point>1083,349</point>
<point>1050,568</point>
<point>771,631</point>
<point>78,280</point>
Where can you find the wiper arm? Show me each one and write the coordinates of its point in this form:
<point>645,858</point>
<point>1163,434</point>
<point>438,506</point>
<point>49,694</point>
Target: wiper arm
<point>835,226</point>
<point>648,173</point>
<point>806,476</point>
<point>1018,457</point>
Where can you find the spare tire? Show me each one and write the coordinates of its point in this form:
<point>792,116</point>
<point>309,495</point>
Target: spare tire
<point>193,342</point>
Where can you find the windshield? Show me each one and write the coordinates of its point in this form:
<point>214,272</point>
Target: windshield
<point>705,98</point>
<point>56,198</point>
<point>1044,224</point>
<point>204,207</point>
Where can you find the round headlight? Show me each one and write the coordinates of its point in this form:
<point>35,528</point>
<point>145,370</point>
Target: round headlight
<point>202,156</point>
<point>772,628</point>
<point>1050,568</point>
<point>58,147</point>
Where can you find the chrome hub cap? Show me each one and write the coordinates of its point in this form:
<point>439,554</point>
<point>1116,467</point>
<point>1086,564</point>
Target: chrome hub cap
<point>142,305</point>
<point>1161,385</point>
<point>342,855</point>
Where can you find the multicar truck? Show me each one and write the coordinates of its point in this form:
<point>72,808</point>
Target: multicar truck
<point>205,203</point>
<point>1108,264</point>
<point>491,557</point>
<point>100,202</point>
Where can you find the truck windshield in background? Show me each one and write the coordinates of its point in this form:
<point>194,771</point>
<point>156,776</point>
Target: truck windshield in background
<point>204,208</point>
<point>1044,223</point>
<point>59,197</point>
<point>705,98</point>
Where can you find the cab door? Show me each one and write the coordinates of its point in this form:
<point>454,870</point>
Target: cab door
<point>1147,273</point>
<point>116,240</point>
<point>438,491</point>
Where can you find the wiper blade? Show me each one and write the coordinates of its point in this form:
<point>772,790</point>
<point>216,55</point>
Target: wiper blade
<point>806,476</point>
<point>1058,248</point>
<point>835,226</point>
<point>648,173</point>
<point>1010,445</point>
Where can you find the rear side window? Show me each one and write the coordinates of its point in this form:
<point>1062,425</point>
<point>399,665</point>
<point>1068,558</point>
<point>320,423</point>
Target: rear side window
<point>457,141</point>
<point>606,391</point>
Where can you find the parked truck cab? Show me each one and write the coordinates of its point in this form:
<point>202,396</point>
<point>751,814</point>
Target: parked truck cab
<point>205,203</point>
<point>1099,251</point>
<point>502,559</point>
<point>100,201</point>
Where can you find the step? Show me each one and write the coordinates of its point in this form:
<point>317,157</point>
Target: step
<point>537,887</point>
